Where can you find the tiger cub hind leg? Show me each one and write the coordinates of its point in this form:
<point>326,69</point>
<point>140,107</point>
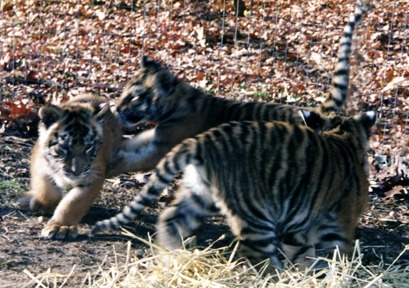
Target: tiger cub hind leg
<point>308,251</point>
<point>258,245</point>
<point>195,200</point>
<point>192,204</point>
<point>300,256</point>
<point>185,216</point>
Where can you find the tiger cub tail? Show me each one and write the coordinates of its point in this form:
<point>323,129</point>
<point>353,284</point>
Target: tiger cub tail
<point>171,165</point>
<point>337,95</point>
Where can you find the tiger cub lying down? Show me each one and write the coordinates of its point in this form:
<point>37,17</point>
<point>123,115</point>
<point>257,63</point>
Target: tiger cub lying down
<point>183,111</point>
<point>278,185</point>
<point>69,161</point>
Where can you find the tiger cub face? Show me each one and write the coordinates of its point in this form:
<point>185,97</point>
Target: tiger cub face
<point>69,161</point>
<point>142,97</point>
<point>70,138</point>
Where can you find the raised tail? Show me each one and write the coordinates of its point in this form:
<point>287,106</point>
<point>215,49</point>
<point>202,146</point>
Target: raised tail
<point>170,166</point>
<point>337,95</point>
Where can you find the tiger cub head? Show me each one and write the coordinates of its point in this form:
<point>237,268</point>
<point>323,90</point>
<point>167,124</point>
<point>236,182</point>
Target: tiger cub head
<point>337,123</point>
<point>70,136</point>
<point>144,97</point>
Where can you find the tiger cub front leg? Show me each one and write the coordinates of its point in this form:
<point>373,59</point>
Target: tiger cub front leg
<point>44,194</point>
<point>193,203</point>
<point>140,153</point>
<point>69,212</point>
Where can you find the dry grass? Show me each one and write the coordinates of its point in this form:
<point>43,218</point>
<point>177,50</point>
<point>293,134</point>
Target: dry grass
<point>218,267</point>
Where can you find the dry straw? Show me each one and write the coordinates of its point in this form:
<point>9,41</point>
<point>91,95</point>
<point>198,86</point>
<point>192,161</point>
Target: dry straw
<point>219,268</point>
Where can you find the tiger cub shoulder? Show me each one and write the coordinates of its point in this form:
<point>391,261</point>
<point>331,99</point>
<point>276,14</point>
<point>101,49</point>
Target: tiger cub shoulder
<point>69,160</point>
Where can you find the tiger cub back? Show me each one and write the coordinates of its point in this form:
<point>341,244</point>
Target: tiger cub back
<point>278,185</point>
<point>183,111</point>
<point>69,161</point>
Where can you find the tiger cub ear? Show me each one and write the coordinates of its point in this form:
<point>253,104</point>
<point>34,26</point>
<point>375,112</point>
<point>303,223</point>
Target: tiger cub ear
<point>49,114</point>
<point>101,110</point>
<point>164,82</point>
<point>367,119</point>
<point>313,119</point>
<point>150,66</point>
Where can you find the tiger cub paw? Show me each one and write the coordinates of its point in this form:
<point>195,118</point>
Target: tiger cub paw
<point>43,206</point>
<point>60,232</point>
<point>36,205</point>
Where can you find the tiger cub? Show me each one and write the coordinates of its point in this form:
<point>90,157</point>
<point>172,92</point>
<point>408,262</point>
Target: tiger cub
<point>69,161</point>
<point>183,111</point>
<point>279,185</point>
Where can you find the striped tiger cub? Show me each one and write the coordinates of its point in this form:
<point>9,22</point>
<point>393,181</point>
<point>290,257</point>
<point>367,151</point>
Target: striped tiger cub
<point>279,185</point>
<point>183,111</point>
<point>69,161</point>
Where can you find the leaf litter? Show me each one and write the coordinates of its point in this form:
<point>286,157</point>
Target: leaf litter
<point>280,51</point>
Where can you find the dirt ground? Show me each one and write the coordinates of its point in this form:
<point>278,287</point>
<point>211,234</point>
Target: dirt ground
<point>383,232</point>
<point>22,249</point>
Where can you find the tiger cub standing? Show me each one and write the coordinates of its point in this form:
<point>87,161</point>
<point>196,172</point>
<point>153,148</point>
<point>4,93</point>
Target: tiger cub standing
<point>69,161</point>
<point>183,111</point>
<point>279,185</point>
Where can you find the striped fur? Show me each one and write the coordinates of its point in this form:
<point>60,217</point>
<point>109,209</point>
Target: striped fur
<point>183,111</point>
<point>69,161</point>
<point>279,186</point>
